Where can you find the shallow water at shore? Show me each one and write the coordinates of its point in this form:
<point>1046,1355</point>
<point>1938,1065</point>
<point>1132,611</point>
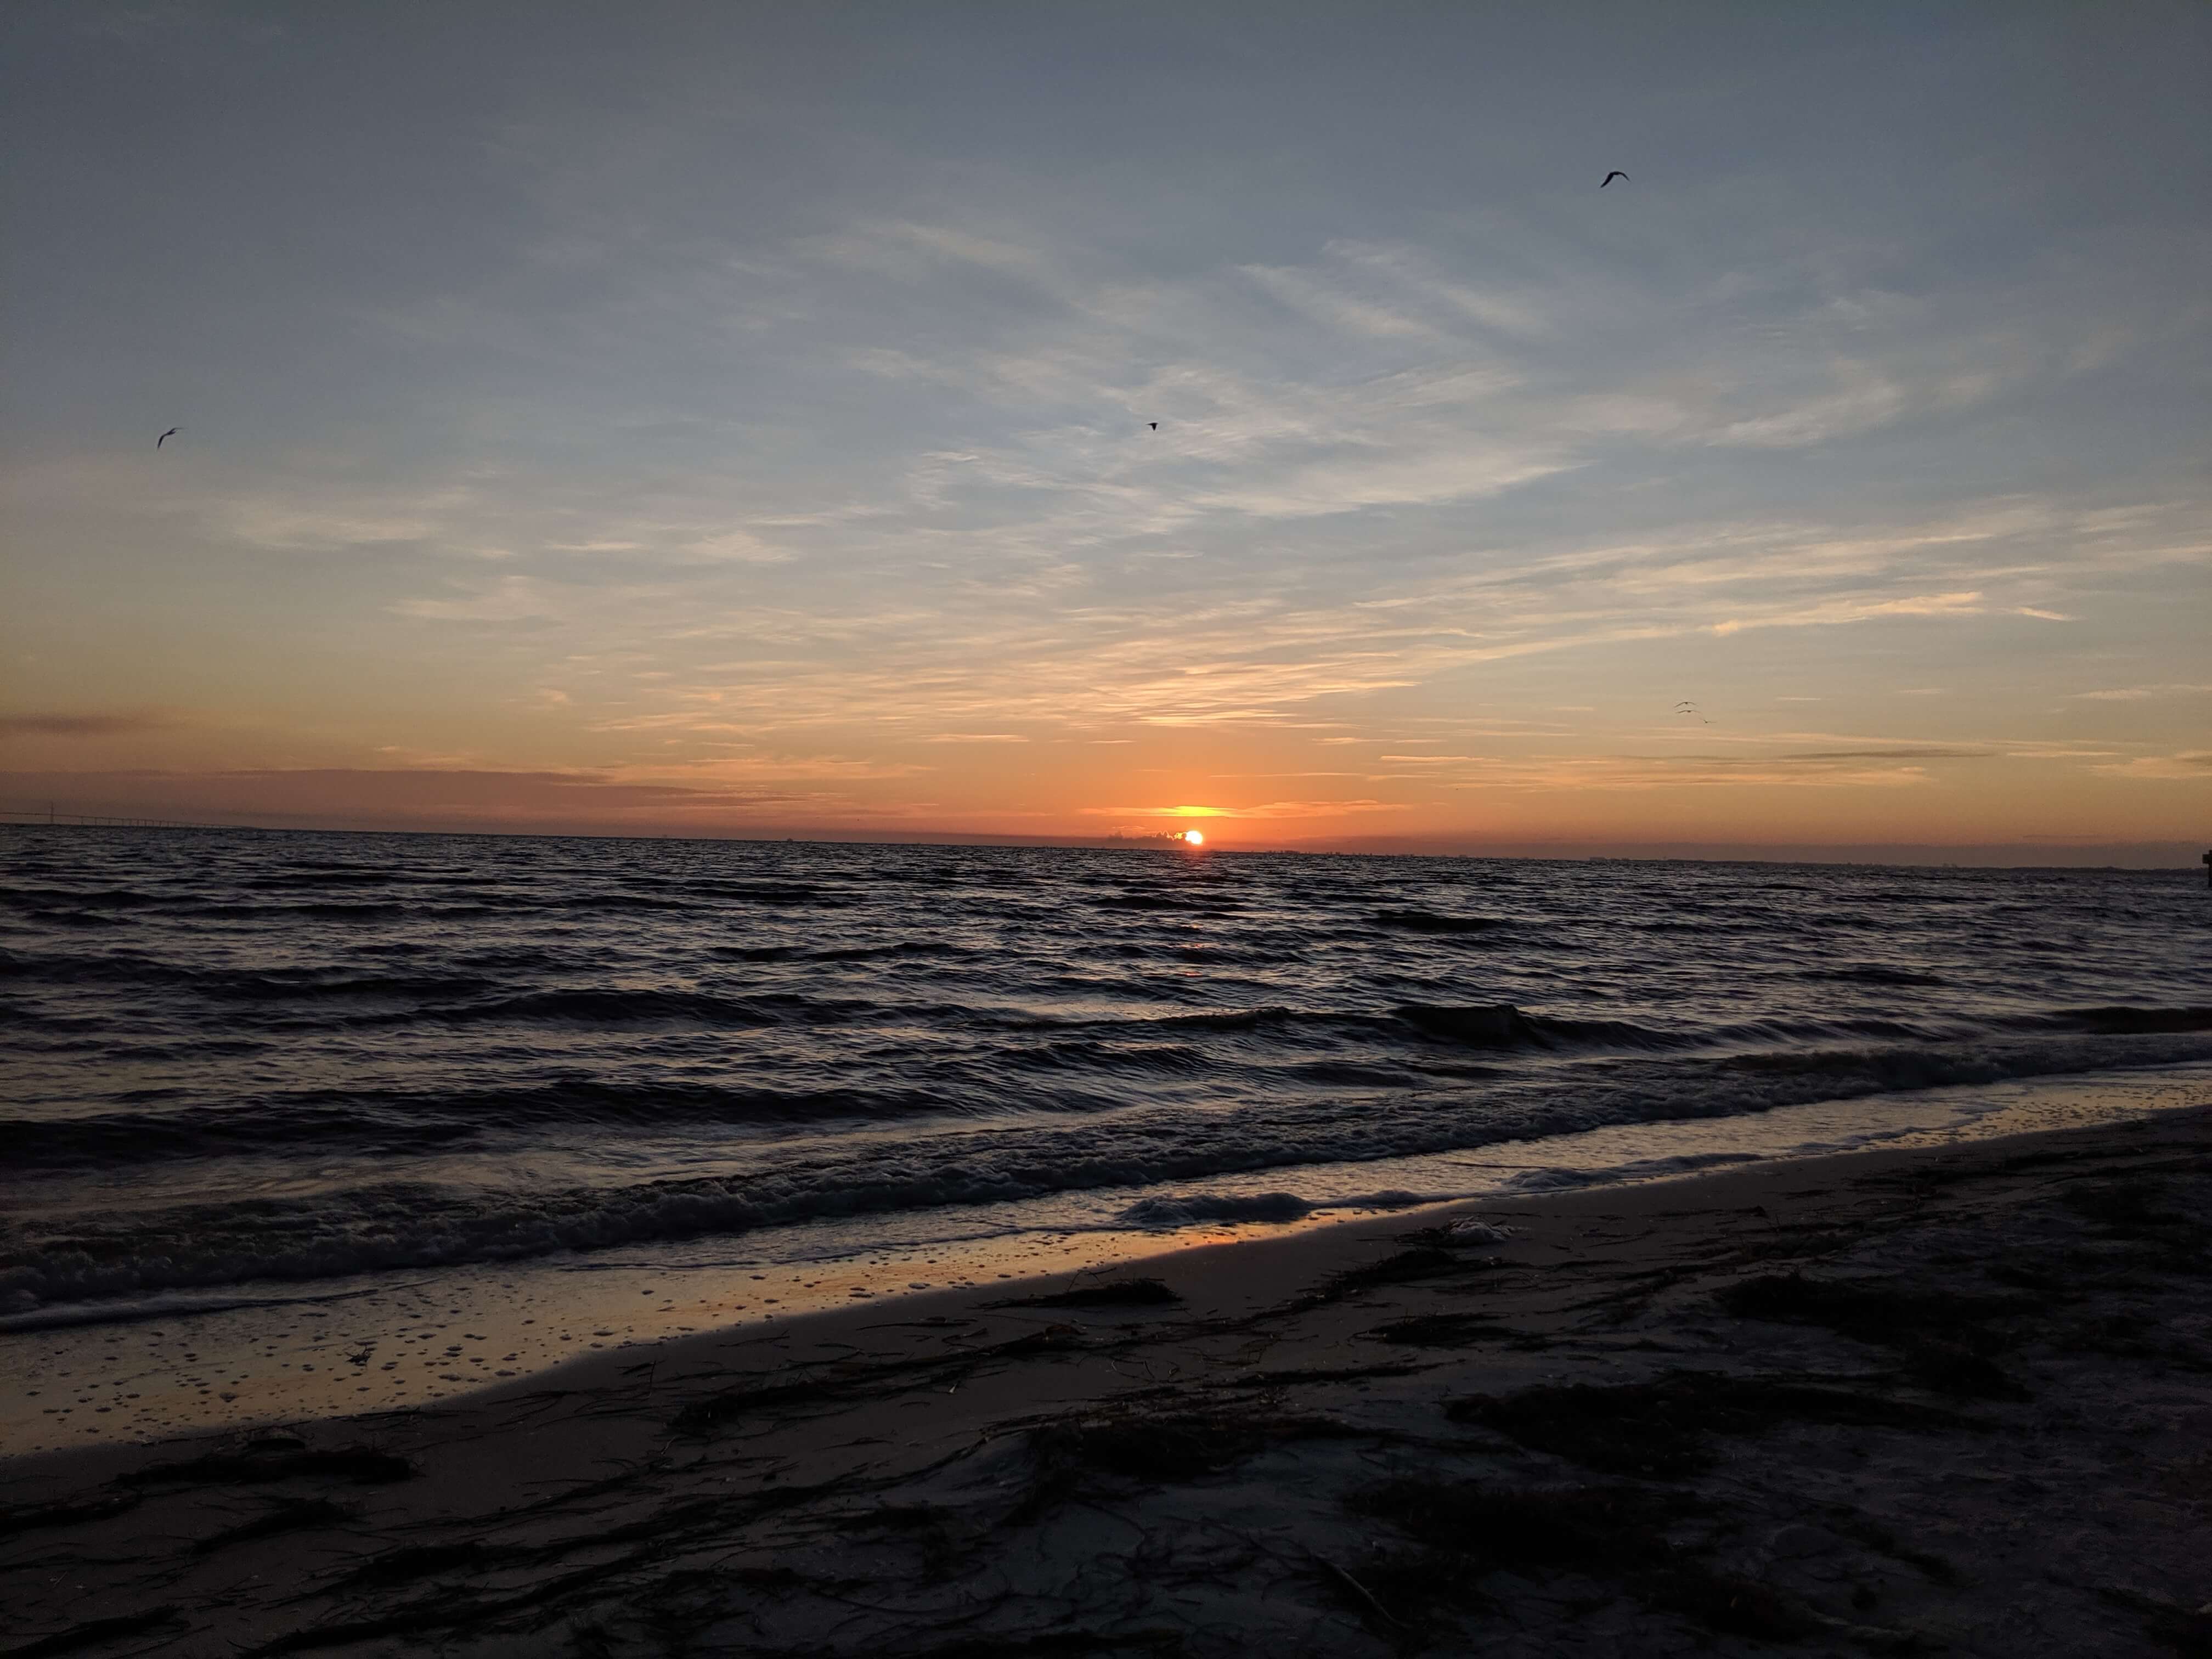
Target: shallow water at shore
<point>290,1353</point>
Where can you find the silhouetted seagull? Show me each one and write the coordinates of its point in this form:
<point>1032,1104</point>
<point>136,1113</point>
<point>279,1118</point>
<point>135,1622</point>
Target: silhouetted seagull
<point>166,436</point>
<point>1610,176</point>
<point>1156,426</point>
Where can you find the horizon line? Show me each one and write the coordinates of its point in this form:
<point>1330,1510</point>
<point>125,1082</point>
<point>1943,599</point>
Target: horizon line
<point>1595,851</point>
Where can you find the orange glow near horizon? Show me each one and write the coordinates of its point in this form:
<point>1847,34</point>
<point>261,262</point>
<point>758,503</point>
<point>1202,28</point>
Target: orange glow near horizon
<point>1194,838</point>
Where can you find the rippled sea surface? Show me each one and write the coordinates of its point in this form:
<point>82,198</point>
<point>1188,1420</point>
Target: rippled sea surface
<point>231,1057</point>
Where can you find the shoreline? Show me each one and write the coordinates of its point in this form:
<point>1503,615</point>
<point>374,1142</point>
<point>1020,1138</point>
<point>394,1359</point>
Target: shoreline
<point>293,1353</point>
<point>2173,857</point>
<point>2036,1343</point>
<point>1235,1274</point>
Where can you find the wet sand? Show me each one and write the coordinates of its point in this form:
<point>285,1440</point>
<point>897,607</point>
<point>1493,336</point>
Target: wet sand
<point>1936,1399</point>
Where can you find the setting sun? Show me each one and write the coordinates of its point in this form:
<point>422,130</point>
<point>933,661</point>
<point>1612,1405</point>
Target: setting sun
<point>1194,838</point>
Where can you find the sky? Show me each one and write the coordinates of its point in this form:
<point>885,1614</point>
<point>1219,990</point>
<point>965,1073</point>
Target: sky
<point>737,420</point>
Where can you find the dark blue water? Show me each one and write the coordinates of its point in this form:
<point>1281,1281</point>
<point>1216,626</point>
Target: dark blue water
<point>227,1057</point>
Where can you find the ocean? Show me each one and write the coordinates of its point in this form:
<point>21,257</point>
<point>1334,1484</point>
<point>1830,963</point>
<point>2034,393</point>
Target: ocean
<point>244,1071</point>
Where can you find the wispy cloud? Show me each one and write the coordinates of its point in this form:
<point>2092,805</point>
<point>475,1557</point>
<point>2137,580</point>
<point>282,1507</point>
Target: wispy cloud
<point>99,724</point>
<point>1264,811</point>
<point>2191,766</point>
<point>1545,774</point>
<point>509,600</point>
<point>2141,693</point>
<point>278,524</point>
<point>1835,612</point>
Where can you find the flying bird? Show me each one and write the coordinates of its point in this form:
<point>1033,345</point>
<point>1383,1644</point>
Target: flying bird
<point>1684,707</point>
<point>1156,426</point>
<point>166,436</point>
<point>1610,176</point>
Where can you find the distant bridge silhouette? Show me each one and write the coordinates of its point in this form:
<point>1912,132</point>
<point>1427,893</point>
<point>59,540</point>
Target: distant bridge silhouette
<point>53,817</point>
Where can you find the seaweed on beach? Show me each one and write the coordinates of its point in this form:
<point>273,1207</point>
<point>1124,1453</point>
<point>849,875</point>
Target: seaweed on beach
<point>443,1610</point>
<point>358,1464</point>
<point>1945,1337</point>
<point>2147,1211</point>
<point>2122,1206</point>
<point>1453,1330</point>
<point>1293,1376</point>
<point>1526,1528</point>
<point>1880,1538</point>
<point>1614,1535</point>
<point>1153,1449</point>
<point>1130,1644</point>
<point>1664,1430</point>
<point>1118,1293</point>
<point>1877,1310</point>
<point>95,1632</point>
<point>1955,1369</point>
<point>2185,1630</point>
<point>34,1516</point>
<point>287,1515</point>
<point>1397,1594</point>
<point>678,1607</point>
<point>413,1561</point>
<point>938,1532</point>
<point>1726,1602</point>
<point>719,1410</point>
<point>1641,1434</point>
<point>714,1413</point>
<point>891,1517</point>
<point>2135,1336</point>
<point>1406,1267</point>
<point>1169,1447</point>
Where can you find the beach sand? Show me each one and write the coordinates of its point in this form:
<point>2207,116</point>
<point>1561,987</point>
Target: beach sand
<point>1953,1399</point>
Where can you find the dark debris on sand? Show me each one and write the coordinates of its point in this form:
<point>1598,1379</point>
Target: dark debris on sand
<point>358,1465</point>
<point>1117,1293</point>
<point>1085,1454</point>
<point>1667,1428</point>
<point>1618,1536</point>
<point>286,1515</point>
<point>98,1633</point>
